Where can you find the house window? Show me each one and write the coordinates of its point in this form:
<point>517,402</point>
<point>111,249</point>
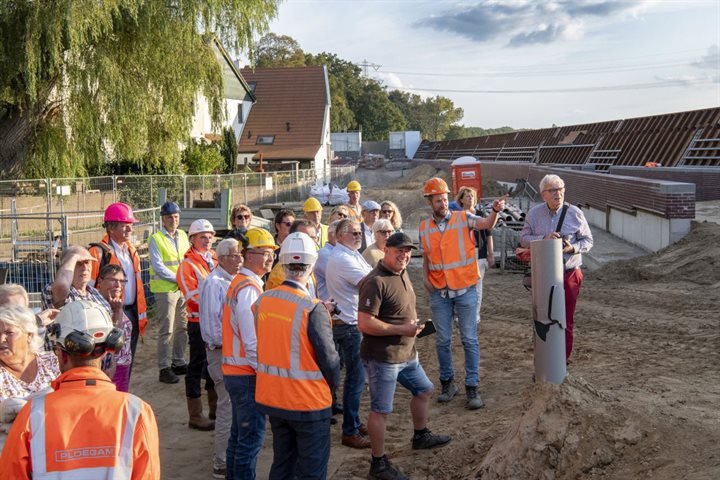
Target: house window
<point>265,140</point>
<point>240,112</point>
<point>252,86</point>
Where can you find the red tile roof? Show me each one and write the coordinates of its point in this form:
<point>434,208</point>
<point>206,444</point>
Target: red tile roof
<point>291,106</point>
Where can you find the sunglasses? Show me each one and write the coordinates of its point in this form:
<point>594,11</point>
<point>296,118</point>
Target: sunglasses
<point>386,211</point>
<point>354,234</point>
<point>385,232</point>
<point>241,217</point>
<point>287,224</point>
<point>341,215</point>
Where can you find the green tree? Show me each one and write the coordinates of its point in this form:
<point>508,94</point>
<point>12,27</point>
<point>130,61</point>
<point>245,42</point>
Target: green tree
<point>461,131</point>
<point>375,113</point>
<point>278,51</point>
<point>203,159</point>
<point>345,79</point>
<point>83,82</point>
<point>229,149</point>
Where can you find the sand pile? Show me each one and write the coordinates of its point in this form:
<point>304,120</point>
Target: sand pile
<point>695,259</point>
<point>415,178</point>
<point>566,431</point>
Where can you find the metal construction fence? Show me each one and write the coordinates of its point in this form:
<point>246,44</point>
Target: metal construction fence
<point>38,217</point>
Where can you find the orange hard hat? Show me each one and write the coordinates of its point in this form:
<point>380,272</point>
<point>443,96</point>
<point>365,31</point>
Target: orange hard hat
<point>435,186</point>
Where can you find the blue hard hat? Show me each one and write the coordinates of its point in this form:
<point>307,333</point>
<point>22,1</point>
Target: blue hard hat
<point>169,208</point>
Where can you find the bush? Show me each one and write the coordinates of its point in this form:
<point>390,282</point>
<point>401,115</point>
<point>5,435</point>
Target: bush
<point>203,159</point>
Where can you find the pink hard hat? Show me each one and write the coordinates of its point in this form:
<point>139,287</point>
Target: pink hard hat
<point>119,212</point>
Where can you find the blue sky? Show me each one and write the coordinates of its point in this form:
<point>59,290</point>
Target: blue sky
<point>524,63</point>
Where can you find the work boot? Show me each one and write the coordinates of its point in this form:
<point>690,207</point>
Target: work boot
<point>473,398</point>
<point>197,420</point>
<point>449,390</point>
<point>356,441</point>
<point>382,469</point>
<point>168,376</point>
<point>428,440</point>
<point>212,403</point>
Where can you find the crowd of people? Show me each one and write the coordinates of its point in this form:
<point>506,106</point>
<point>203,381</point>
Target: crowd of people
<point>263,323</point>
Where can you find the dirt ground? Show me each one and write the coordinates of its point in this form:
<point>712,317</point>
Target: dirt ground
<point>641,400</point>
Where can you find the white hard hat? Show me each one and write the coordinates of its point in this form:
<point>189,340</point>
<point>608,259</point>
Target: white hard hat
<point>298,247</point>
<point>84,328</point>
<point>199,226</point>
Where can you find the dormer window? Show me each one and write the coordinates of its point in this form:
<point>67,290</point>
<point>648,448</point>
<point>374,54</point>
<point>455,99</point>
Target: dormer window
<point>252,86</point>
<point>265,140</point>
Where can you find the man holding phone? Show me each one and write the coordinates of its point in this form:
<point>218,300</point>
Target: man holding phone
<point>388,321</point>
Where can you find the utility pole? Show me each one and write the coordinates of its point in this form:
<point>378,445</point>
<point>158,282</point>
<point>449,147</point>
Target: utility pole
<point>365,65</point>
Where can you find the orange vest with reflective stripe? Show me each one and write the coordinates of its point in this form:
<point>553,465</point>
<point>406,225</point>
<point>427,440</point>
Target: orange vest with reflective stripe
<point>139,288</point>
<point>85,429</point>
<point>288,377</point>
<point>193,270</point>
<point>233,348</point>
<point>451,255</point>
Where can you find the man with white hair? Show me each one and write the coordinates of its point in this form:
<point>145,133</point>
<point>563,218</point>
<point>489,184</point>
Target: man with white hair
<point>212,297</point>
<point>556,219</point>
<point>297,366</point>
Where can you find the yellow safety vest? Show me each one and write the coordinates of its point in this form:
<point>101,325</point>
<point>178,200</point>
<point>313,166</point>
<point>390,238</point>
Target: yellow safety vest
<point>171,258</point>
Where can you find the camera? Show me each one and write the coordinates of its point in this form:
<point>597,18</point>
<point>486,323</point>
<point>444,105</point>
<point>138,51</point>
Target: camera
<point>335,310</point>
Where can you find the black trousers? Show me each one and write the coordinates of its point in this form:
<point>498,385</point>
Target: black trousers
<point>197,367</point>
<point>132,313</point>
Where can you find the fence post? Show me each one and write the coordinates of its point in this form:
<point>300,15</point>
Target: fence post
<point>114,180</point>
<point>184,179</point>
<point>245,188</point>
<point>275,186</point>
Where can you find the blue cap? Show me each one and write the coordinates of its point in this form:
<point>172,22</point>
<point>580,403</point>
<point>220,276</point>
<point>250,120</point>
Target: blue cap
<point>370,205</point>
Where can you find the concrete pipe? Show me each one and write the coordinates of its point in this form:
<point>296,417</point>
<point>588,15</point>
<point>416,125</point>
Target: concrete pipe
<point>548,296</point>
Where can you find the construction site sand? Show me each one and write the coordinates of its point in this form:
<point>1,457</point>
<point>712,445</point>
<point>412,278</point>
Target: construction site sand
<point>641,400</point>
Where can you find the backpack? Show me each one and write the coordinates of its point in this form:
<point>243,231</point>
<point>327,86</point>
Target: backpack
<point>106,255</point>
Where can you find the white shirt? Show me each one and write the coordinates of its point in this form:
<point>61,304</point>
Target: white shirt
<point>320,270</point>
<point>242,318</point>
<point>368,234</point>
<point>344,271</point>
<point>211,300</point>
<point>122,253</point>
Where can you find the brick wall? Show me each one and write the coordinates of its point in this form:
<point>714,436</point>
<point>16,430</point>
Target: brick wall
<point>706,179</point>
<point>667,199</point>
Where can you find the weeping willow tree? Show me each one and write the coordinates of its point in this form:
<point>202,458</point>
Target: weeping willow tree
<point>83,81</point>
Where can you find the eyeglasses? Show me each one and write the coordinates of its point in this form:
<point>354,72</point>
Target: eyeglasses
<point>387,211</point>
<point>243,217</point>
<point>554,190</point>
<point>266,255</point>
<point>385,232</point>
<point>354,234</point>
<point>120,281</point>
<point>287,224</point>
<point>233,255</point>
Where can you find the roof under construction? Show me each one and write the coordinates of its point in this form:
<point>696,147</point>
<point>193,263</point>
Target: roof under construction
<point>686,139</point>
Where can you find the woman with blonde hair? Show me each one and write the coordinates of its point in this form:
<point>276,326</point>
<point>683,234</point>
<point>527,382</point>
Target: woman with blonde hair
<point>467,200</point>
<point>240,218</point>
<point>390,211</point>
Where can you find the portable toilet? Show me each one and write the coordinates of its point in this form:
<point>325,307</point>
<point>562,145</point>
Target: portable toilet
<point>466,173</point>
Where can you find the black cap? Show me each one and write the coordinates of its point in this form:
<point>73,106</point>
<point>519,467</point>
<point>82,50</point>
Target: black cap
<point>399,239</point>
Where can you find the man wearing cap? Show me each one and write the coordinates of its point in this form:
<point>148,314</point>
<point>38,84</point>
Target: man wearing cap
<point>313,211</point>
<point>199,261</point>
<point>450,275</point>
<point>167,249</point>
<point>239,354</point>
<point>116,248</point>
<point>353,189</point>
<point>370,213</point>
<point>389,323</point>
<point>119,434</point>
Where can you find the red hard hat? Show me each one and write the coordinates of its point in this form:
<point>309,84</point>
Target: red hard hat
<point>119,212</point>
<point>435,186</point>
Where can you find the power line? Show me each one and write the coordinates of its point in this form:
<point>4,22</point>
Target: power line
<point>629,86</point>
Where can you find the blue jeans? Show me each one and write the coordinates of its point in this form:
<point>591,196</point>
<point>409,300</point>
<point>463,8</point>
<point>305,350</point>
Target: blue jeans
<point>301,450</point>
<point>384,378</point>
<point>247,433</point>
<point>466,307</point>
<point>348,338</point>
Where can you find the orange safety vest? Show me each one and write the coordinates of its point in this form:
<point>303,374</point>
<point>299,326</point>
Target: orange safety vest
<point>140,301</point>
<point>451,255</point>
<point>234,361</point>
<point>288,377</point>
<point>193,270</point>
<point>84,429</point>
<point>354,215</point>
